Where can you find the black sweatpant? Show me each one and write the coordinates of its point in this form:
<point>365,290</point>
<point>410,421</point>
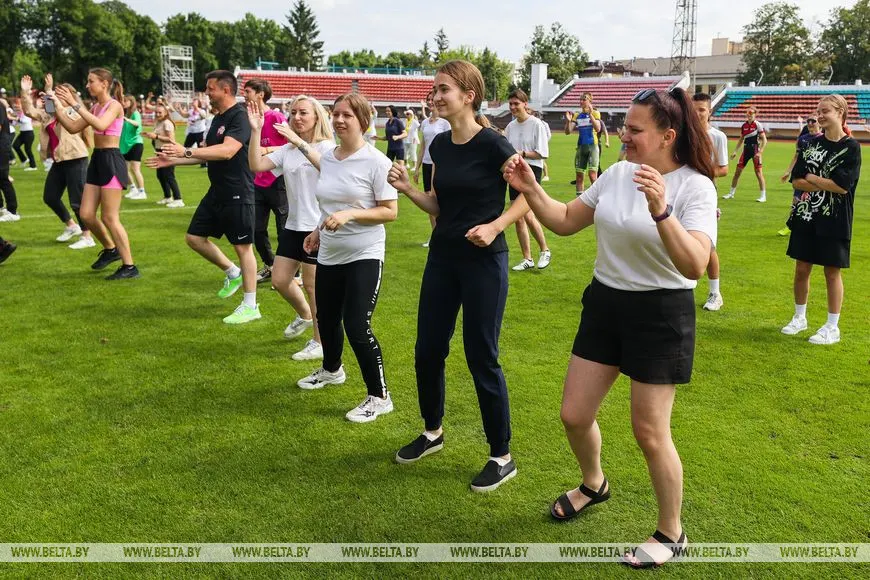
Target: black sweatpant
<point>69,175</point>
<point>477,281</point>
<point>166,177</point>
<point>268,200</point>
<point>349,293</point>
<point>6,187</point>
<point>24,144</point>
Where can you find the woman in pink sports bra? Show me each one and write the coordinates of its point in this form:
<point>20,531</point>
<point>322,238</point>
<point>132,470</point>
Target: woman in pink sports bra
<point>107,172</point>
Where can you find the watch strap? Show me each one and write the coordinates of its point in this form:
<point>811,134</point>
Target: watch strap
<point>667,213</point>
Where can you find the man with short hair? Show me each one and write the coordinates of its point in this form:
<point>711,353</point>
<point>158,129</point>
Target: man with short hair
<point>754,140</point>
<point>588,124</point>
<point>702,102</point>
<point>228,206</point>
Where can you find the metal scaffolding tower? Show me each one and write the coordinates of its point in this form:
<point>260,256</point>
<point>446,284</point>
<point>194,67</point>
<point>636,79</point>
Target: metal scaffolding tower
<point>685,37</point>
<point>177,73</point>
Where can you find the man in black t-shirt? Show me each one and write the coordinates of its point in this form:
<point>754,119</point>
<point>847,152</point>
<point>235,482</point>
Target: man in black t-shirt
<point>228,206</point>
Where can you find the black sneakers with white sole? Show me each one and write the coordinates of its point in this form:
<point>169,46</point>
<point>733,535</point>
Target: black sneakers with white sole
<point>493,475</point>
<point>419,448</point>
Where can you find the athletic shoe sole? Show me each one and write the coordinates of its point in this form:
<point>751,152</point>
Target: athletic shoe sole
<point>430,451</point>
<point>314,387</point>
<point>494,486</point>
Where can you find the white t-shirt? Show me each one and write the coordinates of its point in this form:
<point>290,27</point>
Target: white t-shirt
<point>358,182</point>
<point>631,254</point>
<point>530,135</point>
<point>196,122</point>
<point>431,128</point>
<point>412,128</point>
<point>300,179</point>
<point>371,135</point>
<point>720,146</point>
<point>24,123</point>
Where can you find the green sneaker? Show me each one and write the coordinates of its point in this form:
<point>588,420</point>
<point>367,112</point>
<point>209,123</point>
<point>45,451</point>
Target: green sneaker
<point>784,231</point>
<point>243,313</point>
<point>231,285</point>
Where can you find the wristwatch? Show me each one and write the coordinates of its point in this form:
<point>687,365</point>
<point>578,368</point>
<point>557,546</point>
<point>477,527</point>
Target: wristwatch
<point>665,215</point>
<point>76,107</point>
<point>523,153</point>
<point>188,153</point>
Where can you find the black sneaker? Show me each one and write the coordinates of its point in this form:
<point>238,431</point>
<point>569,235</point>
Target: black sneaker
<point>6,251</point>
<point>263,274</point>
<point>105,258</point>
<point>124,272</point>
<point>493,475</point>
<point>419,448</point>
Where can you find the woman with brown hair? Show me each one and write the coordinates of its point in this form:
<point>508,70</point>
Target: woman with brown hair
<point>821,218</point>
<point>107,173</point>
<point>467,267</point>
<point>164,132</point>
<point>655,222</point>
<point>132,147</point>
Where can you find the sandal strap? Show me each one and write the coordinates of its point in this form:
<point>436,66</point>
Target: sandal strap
<point>567,507</point>
<point>669,543</point>
<point>590,493</point>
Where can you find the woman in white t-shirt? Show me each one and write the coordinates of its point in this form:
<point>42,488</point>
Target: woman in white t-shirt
<point>355,201</point>
<point>429,128</point>
<point>309,136</point>
<point>412,126</point>
<point>655,222</point>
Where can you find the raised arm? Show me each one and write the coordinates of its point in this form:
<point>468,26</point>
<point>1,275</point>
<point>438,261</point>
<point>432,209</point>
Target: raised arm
<point>27,102</point>
<point>73,126</point>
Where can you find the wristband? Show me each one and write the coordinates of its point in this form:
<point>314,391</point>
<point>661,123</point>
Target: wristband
<point>665,215</point>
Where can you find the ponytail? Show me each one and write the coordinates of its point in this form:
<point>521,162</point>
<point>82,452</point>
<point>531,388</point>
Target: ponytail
<point>674,110</point>
<point>117,91</point>
<point>481,119</point>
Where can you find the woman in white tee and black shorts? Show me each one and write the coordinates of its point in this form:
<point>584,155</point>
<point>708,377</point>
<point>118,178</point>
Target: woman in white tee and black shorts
<point>355,201</point>
<point>655,222</point>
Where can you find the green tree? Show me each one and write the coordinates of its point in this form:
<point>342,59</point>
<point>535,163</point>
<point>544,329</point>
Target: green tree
<point>778,44</point>
<point>557,48</point>
<point>12,23</point>
<point>194,30</point>
<point>425,54</point>
<point>301,47</point>
<point>258,39</point>
<point>442,45</point>
<point>846,40</point>
<point>140,66</point>
<point>496,73</point>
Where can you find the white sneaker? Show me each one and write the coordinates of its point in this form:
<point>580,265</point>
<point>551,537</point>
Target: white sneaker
<point>133,191</point>
<point>425,244</point>
<point>297,327</point>
<point>762,199</point>
<point>545,178</point>
<point>322,377</point>
<point>30,169</point>
<point>175,203</point>
<point>3,211</point>
<point>370,408</point>
<point>139,195</point>
<point>9,217</point>
<point>714,302</point>
<point>164,201</point>
<point>524,265</point>
<point>728,196</point>
<point>797,324</point>
<point>83,243</point>
<point>69,233</point>
<point>47,164</point>
<point>826,335</point>
<point>544,259</point>
<point>312,351</point>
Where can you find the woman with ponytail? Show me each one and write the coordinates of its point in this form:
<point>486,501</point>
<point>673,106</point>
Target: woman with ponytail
<point>107,172</point>
<point>467,267</point>
<point>655,222</point>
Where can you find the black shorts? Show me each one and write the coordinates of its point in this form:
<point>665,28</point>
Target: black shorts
<point>819,250</point>
<point>105,166</point>
<point>650,335</point>
<point>538,171</point>
<point>290,246</point>
<point>396,154</point>
<point>427,177</point>
<point>213,220</point>
<point>135,152</point>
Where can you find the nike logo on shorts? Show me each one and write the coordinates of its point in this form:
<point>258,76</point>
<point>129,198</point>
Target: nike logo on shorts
<point>243,237</point>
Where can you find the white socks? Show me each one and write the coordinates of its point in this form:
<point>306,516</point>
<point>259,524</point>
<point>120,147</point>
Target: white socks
<point>800,310</point>
<point>833,320</point>
<point>233,271</point>
<point>430,435</point>
<point>250,299</point>
<point>731,193</point>
<point>714,286</point>
<point>501,461</point>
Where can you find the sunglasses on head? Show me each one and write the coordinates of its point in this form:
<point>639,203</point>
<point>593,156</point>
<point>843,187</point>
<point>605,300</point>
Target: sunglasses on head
<point>812,120</point>
<point>646,94</point>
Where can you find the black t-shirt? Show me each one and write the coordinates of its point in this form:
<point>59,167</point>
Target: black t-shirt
<point>469,187</point>
<point>232,182</point>
<point>394,126</point>
<point>824,213</point>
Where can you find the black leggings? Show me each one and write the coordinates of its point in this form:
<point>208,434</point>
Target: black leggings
<point>6,187</point>
<point>166,177</point>
<point>349,293</point>
<point>23,144</point>
<point>69,175</point>
<point>267,200</point>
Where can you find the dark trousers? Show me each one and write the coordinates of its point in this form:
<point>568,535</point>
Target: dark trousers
<point>267,200</point>
<point>166,177</point>
<point>69,175</point>
<point>6,187</point>
<point>349,293</point>
<point>24,144</point>
<point>192,139</point>
<point>478,282</point>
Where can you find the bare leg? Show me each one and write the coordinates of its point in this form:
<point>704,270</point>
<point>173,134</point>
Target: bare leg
<point>523,238</point>
<point>834,283</point>
<point>536,230</point>
<point>248,264</point>
<point>579,177</point>
<point>760,175</point>
<point>713,265</point>
<point>88,213</point>
<point>283,271</point>
<point>593,176</point>
<point>110,215</point>
<point>736,178</point>
<point>208,250</point>
<point>802,271</point>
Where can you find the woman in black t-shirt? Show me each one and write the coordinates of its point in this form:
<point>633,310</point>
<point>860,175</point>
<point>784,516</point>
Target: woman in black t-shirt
<point>395,135</point>
<point>467,267</point>
<point>821,217</point>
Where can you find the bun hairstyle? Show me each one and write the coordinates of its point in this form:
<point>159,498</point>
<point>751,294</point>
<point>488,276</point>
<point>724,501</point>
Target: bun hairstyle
<point>116,89</point>
<point>468,78</point>
<point>673,110</point>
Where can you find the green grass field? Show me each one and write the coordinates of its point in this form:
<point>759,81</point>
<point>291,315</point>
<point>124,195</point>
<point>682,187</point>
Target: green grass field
<point>130,413</point>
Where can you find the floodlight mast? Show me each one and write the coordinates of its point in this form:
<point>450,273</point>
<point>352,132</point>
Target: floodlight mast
<point>684,46</point>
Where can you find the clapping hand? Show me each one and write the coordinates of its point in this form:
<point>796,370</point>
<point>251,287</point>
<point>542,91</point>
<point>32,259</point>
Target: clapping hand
<point>65,96</point>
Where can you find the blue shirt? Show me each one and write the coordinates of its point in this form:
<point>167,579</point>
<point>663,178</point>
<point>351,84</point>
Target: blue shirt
<point>394,126</point>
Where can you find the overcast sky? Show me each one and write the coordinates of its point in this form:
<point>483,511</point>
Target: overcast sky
<point>615,28</point>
